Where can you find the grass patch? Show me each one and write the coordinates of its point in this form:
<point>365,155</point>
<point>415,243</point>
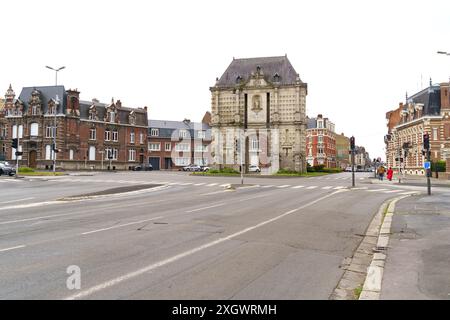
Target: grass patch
<point>288,173</point>
<point>41,173</point>
<point>357,291</point>
<point>25,170</point>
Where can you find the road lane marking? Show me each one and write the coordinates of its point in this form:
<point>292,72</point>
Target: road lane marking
<point>204,208</point>
<point>179,256</point>
<point>224,185</point>
<point>393,191</point>
<point>267,186</point>
<point>327,187</point>
<point>121,225</point>
<point>312,187</point>
<point>199,184</point>
<point>24,199</point>
<point>33,205</point>
<point>338,188</point>
<point>410,192</point>
<point>298,187</point>
<point>376,190</point>
<point>211,184</point>
<point>284,186</point>
<point>12,248</point>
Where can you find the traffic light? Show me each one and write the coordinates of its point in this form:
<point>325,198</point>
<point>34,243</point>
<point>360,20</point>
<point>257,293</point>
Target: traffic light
<point>426,141</point>
<point>15,143</point>
<point>352,143</point>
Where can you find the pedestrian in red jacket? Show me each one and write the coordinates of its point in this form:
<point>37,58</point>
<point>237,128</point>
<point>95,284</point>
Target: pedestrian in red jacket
<point>390,173</point>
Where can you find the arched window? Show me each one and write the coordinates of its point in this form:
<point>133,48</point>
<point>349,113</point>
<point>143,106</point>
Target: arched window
<point>91,153</point>
<point>34,129</point>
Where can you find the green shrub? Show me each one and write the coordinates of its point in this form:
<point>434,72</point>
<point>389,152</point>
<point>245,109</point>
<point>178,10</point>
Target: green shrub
<point>439,165</point>
<point>228,170</point>
<point>286,171</point>
<point>25,170</point>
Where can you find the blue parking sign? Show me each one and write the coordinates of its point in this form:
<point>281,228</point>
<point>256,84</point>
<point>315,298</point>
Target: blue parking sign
<point>427,165</point>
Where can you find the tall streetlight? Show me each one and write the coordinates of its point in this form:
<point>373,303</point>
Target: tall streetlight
<point>55,123</point>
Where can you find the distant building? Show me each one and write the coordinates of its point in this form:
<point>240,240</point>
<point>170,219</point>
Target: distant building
<point>86,131</point>
<point>265,100</point>
<point>427,111</point>
<point>342,151</point>
<point>362,158</point>
<point>175,144</point>
<point>321,142</point>
<point>3,131</point>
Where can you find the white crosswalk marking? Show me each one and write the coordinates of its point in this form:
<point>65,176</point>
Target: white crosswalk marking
<point>409,192</point>
<point>393,191</point>
<point>312,187</point>
<point>284,186</point>
<point>298,187</point>
<point>222,185</point>
<point>327,187</point>
<point>267,186</point>
<point>199,184</point>
<point>376,190</point>
<point>338,188</point>
<point>212,184</point>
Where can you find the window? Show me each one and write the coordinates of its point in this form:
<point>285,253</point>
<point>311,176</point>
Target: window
<point>168,146</point>
<point>182,161</point>
<point>4,132</point>
<point>34,129</point>
<point>320,139</point>
<point>49,132</point>
<point>182,147</point>
<point>183,133</point>
<point>70,154</point>
<point>92,134</point>
<point>112,116</point>
<point>320,124</point>
<point>132,155</point>
<point>115,136</point>
<point>13,153</point>
<point>201,148</point>
<point>14,131</point>
<point>131,137</point>
<point>254,145</point>
<point>113,152</point>
<point>34,110</point>
<point>154,132</point>
<point>91,153</point>
<point>154,146</point>
<point>201,134</point>
<point>48,152</point>
<point>107,135</point>
<point>141,138</point>
<point>435,134</point>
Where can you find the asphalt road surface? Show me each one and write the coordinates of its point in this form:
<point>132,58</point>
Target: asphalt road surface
<point>188,238</point>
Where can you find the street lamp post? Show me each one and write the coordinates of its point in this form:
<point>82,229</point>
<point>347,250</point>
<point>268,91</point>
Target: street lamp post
<point>55,122</point>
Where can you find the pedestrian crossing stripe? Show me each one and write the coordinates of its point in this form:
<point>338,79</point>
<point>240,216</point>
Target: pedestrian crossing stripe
<point>312,187</point>
<point>298,187</point>
<point>327,187</point>
<point>284,186</point>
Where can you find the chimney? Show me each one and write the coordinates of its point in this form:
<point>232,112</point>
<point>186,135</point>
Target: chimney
<point>186,121</point>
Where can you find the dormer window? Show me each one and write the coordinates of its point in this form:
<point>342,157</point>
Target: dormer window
<point>238,79</point>
<point>112,116</point>
<point>276,77</point>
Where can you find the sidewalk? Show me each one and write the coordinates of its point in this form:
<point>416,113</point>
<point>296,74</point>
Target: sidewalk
<point>412,181</point>
<point>418,255</point>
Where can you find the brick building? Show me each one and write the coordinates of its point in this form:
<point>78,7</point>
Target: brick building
<point>175,144</point>
<point>426,111</point>
<point>321,142</point>
<point>85,130</point>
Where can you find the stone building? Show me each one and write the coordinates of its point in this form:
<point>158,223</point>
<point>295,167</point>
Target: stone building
<point>427,111</point>
<point>321,142</point>
<point>258,115</point>
<point>86,131</point>
<point>3,131</point>
<point>342,151</point>
<point>175,144</point>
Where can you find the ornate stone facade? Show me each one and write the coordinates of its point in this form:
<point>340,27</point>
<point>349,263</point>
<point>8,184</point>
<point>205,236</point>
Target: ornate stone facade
<point>264,100</point>
<point>426,111</point>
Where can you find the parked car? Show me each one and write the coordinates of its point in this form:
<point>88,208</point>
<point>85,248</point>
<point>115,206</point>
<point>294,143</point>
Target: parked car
<point>204,168</point>
<point>143,167</point>
<point>7,169</point>
<point>253,168</point>
<point>192,167</point>
<point>348,169</point>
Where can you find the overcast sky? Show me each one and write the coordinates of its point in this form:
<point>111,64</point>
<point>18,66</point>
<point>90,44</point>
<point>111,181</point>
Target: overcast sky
<point>359,58</point>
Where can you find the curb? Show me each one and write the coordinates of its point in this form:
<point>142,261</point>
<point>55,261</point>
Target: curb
<point>372,285</point>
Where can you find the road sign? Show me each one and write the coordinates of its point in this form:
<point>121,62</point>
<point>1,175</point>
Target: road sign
<point>427,165</point>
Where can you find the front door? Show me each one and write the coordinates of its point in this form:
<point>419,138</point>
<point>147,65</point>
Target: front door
<point>32,159</point>
<point>168,163</point>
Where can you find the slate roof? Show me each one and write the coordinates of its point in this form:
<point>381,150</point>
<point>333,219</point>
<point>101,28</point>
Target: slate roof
<point>168,127</point>
<point>46,93</point>
<point>269,66</point>
<point>431,99</point>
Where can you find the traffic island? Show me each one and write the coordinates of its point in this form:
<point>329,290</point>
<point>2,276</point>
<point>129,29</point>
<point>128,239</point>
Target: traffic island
<point>114,191</point>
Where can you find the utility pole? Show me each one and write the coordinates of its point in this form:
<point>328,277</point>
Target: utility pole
<point>426,148</point>
<point>352,150</point>
<point>17,152</point>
